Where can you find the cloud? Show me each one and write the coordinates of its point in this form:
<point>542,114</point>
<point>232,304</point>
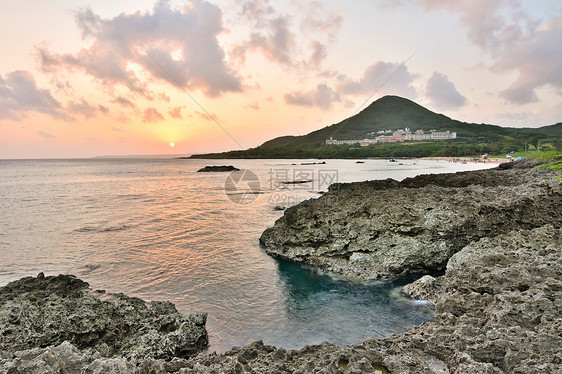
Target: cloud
<point>322,97</point>
<point>275,35</point>
<point>103,109</point>
<point>162,96</point>
<point>84,108</point>
<point>482,19</point>
<point>152,115</point>
<point>442,92</point>
<point>178,46</point>
<point>319,53</point>
<point>212,117</point>
<point>255,105</point>
<point>318,19</point>
<point>46,135</point>
<point>278,45</point>
<point>125,103</point>
<point>176,112</point>
<point>515,42</point>
<point>272,36</point>
<point>382,77</point>
<point>537,60</point>
<point>20,95</point>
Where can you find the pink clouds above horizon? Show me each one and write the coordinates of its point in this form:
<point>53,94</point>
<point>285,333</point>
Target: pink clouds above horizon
<point>245,60</point>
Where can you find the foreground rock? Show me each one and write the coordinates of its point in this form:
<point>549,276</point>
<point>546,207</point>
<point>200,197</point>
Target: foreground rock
<point>500,311</point>
<point>47,311</point>
<point>383,229</point>
<point>221,168</point>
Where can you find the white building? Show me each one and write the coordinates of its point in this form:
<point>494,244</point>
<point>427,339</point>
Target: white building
<point>397,136</point>
<point>443,135</point>
<point>446,135</point>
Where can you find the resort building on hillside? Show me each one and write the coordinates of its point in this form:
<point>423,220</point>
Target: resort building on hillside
<point>397,136</point>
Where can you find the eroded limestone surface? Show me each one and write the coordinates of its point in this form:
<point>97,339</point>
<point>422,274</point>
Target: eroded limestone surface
<point>46,311</point>
<point>383,229</point>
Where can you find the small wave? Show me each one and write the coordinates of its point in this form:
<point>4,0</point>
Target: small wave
<point>245,192</point>
<point>114,228</point>
<point>90,267</point>
<point>102,229</point>
<point>86,229</point>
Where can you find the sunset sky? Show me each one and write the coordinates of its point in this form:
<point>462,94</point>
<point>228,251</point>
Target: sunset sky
<point>111,77</point>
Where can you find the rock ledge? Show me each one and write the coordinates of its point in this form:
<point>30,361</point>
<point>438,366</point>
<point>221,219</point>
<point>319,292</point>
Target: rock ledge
<point>48,311</point>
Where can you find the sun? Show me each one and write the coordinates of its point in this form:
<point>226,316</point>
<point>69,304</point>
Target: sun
<point>172,145</point>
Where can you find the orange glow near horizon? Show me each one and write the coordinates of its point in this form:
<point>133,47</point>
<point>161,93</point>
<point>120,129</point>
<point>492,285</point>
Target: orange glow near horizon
<point>136,82</point>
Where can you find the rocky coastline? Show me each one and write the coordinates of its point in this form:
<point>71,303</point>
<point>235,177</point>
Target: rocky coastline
<point>496,235</point>
<point>383,229</point>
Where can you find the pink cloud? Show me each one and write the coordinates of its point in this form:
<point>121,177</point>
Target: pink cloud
<point>443,93</point>
<point>152,115</point>
<point>383,77</point>
<point>322,97</point>
<point>20,95</point>
<point>178,46</point>
<point>176,112</point>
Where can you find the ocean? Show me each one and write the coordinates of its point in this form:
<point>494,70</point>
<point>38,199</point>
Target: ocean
<point>159,230</point>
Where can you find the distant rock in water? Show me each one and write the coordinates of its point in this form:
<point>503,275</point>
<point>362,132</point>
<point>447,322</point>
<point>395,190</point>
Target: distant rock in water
<point>218,168</point>
<point>46,311</point>
<point>297,181</point>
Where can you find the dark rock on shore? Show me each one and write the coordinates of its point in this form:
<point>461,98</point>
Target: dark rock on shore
<point>218,168</point>
<point>47,311</point>
<point>383,229</point>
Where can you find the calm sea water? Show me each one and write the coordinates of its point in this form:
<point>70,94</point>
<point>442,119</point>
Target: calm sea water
<point>157,229</point>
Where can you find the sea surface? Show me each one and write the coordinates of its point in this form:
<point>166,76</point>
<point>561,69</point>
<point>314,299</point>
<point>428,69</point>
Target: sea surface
<point>159,230</point>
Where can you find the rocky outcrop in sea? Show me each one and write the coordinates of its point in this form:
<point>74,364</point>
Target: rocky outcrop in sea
<point>221,168</point>
<point>383,229</point>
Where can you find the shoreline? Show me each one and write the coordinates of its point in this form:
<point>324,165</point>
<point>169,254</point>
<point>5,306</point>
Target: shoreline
<point>490,277</point>
<point>475,160</point>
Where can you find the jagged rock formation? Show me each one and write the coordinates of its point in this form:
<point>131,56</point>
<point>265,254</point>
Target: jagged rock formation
<point>45,311</point>
<point>383,229</point>
<point>500,312</point>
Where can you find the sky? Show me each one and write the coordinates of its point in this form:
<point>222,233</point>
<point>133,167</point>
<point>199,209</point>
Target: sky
<point>119,77</point>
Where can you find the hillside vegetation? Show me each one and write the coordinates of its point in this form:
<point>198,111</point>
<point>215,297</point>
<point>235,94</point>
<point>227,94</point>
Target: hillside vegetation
<point>393,113</point>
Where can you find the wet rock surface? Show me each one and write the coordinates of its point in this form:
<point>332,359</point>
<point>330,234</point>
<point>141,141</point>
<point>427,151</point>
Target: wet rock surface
<point>46,311</point>
<point>425,288</point>
<point>383,229</point>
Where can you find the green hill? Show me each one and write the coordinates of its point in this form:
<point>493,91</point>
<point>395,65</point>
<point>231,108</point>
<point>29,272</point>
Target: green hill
<point>393,113</point>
